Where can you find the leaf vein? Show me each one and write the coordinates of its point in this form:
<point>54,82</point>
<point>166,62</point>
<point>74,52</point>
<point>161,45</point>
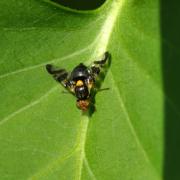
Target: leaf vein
<point>147,74</point>
<point>78,52</point>
<point>78,147</point>
<point>86,163</point>
<point>82,141</point>
<point>6,119</point>
<point>132,127</point>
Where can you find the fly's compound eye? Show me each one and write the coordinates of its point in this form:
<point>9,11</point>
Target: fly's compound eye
<point>81,92</point>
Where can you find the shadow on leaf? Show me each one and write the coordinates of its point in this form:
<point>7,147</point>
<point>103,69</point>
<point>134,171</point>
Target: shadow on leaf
<point>98,86</point>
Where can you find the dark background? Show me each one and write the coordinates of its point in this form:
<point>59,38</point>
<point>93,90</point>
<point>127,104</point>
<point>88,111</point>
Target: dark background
<point>81,4</point>
<point>170,33</point>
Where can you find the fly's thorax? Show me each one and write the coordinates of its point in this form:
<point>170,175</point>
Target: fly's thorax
<point>79,72</point>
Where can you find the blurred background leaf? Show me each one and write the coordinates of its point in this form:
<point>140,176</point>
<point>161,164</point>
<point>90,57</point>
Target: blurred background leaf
<point>170,28</point>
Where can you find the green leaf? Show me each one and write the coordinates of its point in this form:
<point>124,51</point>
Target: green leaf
<point>42,133</point>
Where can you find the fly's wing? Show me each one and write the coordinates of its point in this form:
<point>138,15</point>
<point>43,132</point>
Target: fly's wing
<point>99,69</point>
<point>60,75</point>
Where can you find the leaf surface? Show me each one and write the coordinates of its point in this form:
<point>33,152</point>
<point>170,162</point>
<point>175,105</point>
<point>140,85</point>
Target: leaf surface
<point>42,134</point>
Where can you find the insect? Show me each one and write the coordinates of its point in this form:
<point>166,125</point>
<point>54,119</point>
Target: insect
<point>81,82</point>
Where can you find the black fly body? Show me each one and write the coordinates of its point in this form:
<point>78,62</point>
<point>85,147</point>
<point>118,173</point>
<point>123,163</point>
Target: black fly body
<point>81,82</point>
